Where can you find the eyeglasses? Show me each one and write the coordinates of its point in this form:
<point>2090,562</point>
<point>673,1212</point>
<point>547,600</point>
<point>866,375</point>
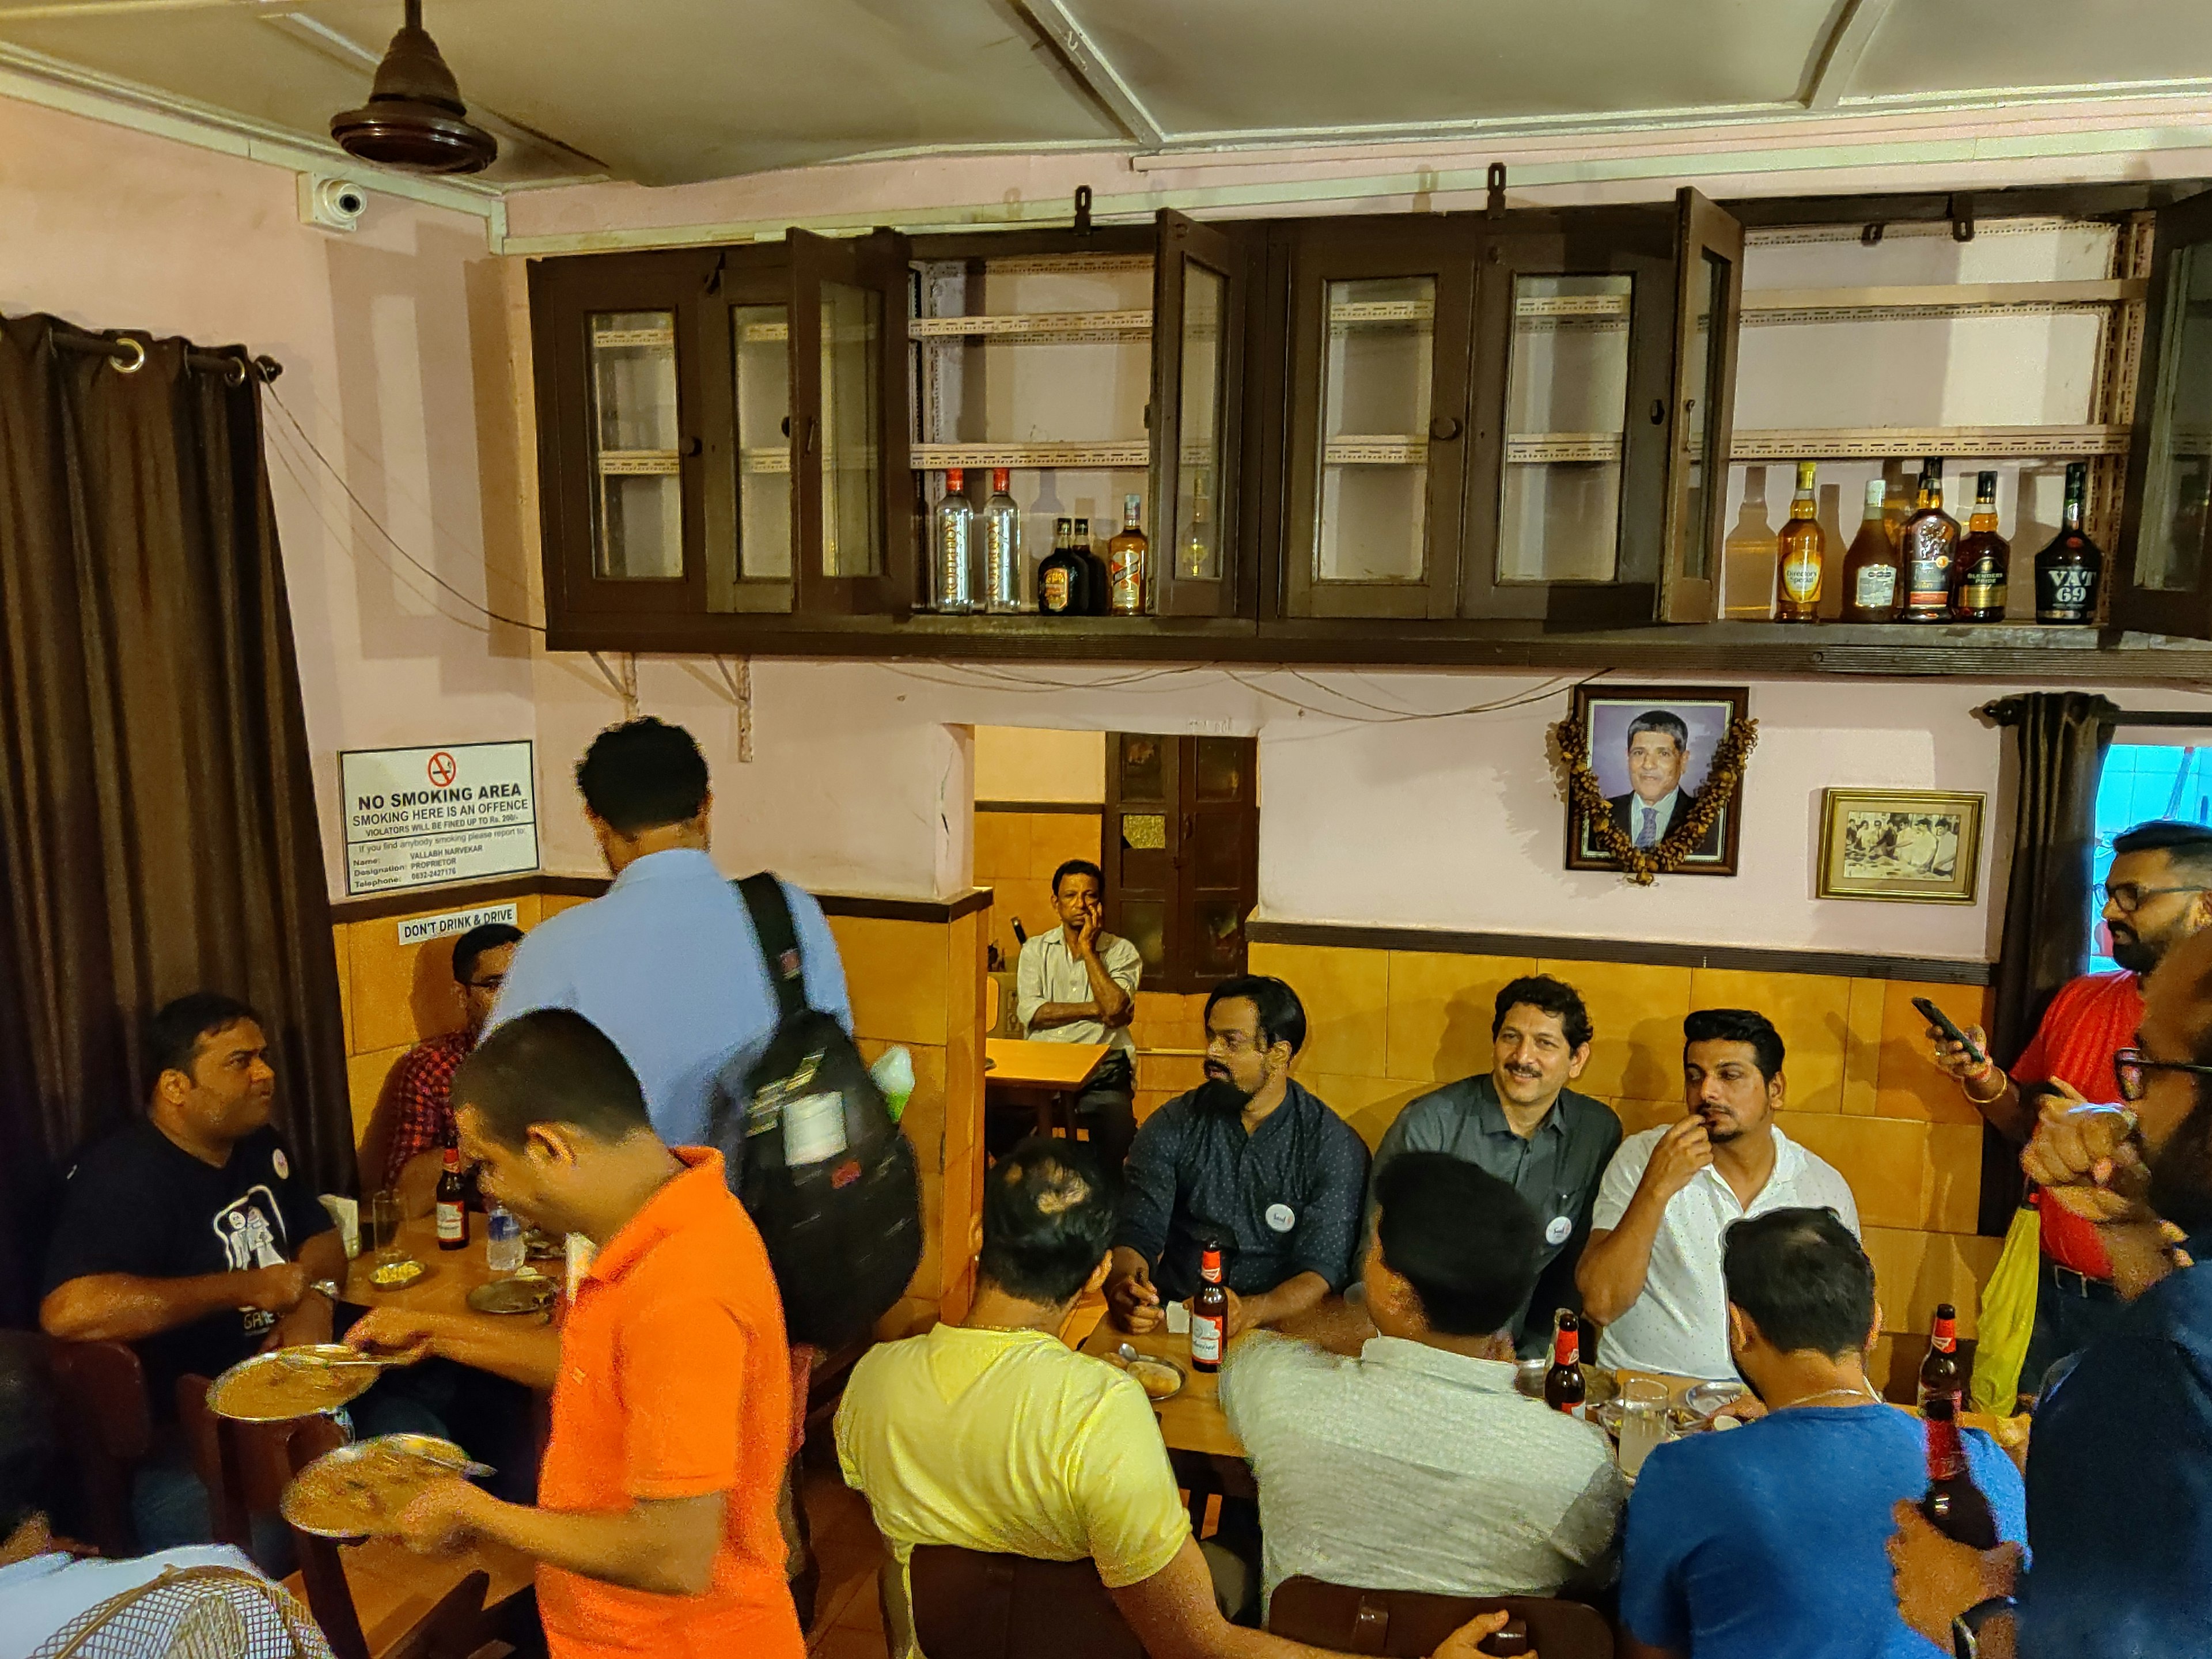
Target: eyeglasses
<point>491,984</point>
<point>2129,1065</point>
<point>2127,898</point>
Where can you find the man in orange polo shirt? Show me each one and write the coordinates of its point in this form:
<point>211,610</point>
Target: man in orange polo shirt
<point>2158,892</point>
<point>655,1530</point>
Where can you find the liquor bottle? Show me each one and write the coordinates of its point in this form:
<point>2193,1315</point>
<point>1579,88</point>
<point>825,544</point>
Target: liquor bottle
<point>1804,552</point>
<point>1980,577</point>
<point>1564,1388</point>
<point>1939,1372</point>
<point>1064,579</point>
<point>453,1203</point>
<point>1953,1505</point>
<point>1870,568</point>
<point>1002,549</point>
<point>2067,571</point>
<point>1747,563</point>
<point>1127,577</point>
<point>1209,1313</point>
<point>1196,564</point>
<point>952,549</point>
<point>1097,579</point>
<point>1927,544</point>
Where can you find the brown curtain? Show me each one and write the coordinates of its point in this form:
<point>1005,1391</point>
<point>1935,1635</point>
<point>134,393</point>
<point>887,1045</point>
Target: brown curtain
<point>157,812</point>
<point>2060,738</point>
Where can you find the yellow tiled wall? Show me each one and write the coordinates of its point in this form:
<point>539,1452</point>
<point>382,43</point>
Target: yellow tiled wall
<point>1016,852</point>
<point>920,984</point>
<point>1384,1026</point>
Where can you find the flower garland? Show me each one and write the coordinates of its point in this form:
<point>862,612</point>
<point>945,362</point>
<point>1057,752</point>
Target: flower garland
<point>1641,865</point>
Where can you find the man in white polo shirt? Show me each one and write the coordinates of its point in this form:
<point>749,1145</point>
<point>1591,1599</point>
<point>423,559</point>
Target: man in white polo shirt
<point>1652,1272</point>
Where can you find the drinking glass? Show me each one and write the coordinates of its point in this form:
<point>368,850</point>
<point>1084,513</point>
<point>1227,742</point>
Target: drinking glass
<point>384,1218</point>
<point>1643,1421</point>
<point>504,1251</point>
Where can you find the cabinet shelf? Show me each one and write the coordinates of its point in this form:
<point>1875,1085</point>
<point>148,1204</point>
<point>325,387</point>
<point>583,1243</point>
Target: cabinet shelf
<point>1901,303</point>
<point>1131,455</point>
<point>1521,448</point>
<point>1035,327</point>
<point>1883,442</point>
<point>639,462</point>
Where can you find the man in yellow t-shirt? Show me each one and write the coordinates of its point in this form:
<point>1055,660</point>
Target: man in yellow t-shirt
<point>993,1435</point>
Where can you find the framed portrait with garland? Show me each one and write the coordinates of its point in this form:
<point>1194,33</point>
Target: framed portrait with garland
<point>1654,778</point>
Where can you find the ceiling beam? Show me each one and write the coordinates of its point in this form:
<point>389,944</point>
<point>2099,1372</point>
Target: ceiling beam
<point>1847,43</point>
<point>1090,66</point>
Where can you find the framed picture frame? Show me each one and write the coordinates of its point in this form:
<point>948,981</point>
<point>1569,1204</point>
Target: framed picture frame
<point>1907,845</point>
<point>1649,748</point>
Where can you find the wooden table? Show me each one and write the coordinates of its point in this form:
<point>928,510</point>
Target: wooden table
<point>1046,1075</point>
<point>447,1278</point>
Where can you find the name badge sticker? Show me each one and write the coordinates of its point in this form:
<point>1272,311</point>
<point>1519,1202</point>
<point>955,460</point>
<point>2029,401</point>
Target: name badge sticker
<point>1556,1232</point>
<point>1282,1218</point>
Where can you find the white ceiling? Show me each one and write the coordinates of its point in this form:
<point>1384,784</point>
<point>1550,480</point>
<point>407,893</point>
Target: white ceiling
<point>665,92</point>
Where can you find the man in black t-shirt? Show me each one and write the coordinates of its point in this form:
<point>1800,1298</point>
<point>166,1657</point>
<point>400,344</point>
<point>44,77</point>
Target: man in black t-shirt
<point>191,1235</point>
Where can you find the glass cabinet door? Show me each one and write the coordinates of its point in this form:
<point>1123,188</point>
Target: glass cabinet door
<point>848,422</point>
<point>2164,566</point>
<point>751,512</point>
<point>616,341</point>
<point>1378,424</point>
<point>1709,293</point>
<point>1198,299</point>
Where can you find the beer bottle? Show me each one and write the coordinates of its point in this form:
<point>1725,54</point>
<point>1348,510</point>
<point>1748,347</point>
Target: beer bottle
<point>1939,1372</point>
<point>1562,1383</point>
<point>1209,1313</point>
<point>453,1203</point>
<point>1954,1505</point>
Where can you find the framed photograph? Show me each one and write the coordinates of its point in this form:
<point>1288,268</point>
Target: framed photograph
<point>1922,846</point>
<point>1651,747</point>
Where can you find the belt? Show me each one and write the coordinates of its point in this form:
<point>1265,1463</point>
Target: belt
<point>2068,1282</point>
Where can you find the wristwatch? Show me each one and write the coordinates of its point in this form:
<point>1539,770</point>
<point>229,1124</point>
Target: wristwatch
<point>1966,1628</point>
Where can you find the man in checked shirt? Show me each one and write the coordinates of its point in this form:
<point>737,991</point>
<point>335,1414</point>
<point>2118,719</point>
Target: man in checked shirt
<point>422,1084</point>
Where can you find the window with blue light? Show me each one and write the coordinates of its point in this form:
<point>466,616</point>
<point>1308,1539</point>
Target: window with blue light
<point>2142,781</point>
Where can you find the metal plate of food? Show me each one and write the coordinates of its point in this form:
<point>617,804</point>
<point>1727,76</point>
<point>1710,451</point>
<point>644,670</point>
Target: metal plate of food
<point>513,1295</point>
<point>289,1382</point>
<point>1706,1398</point>
<point>358,1490</point>
<point>1160,1378</point>
<point>396,1275</point>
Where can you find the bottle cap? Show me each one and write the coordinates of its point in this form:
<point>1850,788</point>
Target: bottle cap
<point>998,479</point>
<point>1132,506</point>
<point>1805,471</point>
<point>955,479</point>
<point>1877,492</point>
<point>1985,486</point>
<point>1932,468</point>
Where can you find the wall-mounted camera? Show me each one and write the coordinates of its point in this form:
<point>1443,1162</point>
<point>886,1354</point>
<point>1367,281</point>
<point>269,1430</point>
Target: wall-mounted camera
<point>331,203</point>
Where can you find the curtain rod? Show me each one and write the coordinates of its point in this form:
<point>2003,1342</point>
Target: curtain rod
<point>2006,711</point>
<point>129,356</point>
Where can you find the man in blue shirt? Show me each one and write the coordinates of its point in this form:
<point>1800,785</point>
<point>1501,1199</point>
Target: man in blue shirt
<point>2119,1471</point>
<point>1768,1540</point>
<point>666,962</point>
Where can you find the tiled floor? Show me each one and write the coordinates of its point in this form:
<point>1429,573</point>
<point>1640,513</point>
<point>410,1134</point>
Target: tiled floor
<point>848,1620</point>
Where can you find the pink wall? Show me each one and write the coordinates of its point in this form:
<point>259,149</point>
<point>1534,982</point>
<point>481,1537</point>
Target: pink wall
<point>394,355</point>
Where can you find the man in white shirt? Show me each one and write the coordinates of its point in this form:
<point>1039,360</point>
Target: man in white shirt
<point>1416,1465</point>
<point>1652,1272</point>
<point>1079,984</point>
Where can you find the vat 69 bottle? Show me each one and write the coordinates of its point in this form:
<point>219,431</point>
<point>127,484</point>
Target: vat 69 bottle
<point>2068,571</point>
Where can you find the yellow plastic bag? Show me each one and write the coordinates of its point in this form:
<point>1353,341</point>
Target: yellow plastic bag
<point>2007,1317</point>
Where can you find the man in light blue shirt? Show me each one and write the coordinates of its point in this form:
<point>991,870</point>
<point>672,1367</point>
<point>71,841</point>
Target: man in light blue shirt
<point>666,962</point>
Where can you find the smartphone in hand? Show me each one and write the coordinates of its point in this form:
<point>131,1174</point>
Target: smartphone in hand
<point>1943,1023</point>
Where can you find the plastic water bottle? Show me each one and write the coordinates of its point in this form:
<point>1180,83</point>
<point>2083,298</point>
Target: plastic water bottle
<point>894,1074</point>
<point>503,1247</point>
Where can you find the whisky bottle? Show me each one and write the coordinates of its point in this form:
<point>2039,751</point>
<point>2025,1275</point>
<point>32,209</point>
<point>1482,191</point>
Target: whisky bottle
<point>1804,551</point>
<point>1002,549</point>
<point>1870,570</point>
<point>952,549</point>
<point>2068,571</point>
<point>1980,575</point>
<point>1125,560</point>
<point>1064,578</point>
<point>1927,544</point>
<point>1097,585</point>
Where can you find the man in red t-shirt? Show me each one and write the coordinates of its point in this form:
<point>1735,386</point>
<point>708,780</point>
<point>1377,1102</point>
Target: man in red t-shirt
<point>2158,892</point>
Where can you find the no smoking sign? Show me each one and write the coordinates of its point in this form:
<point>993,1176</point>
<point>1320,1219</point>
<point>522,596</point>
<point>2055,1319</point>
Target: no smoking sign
<point>442,770</point>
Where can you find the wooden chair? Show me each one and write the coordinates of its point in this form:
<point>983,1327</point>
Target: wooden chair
<point>244,1465</point>
<point>367,1597</point>
<point>107,1425</point>
<point>968,1605</point>
<point>1405,1623</point>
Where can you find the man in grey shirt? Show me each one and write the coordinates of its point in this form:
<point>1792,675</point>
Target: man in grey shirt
<point>1417,1465</point>
<point>1523,1125</point>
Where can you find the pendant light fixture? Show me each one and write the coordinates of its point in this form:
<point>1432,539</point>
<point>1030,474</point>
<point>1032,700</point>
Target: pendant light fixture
<point>414,117</point>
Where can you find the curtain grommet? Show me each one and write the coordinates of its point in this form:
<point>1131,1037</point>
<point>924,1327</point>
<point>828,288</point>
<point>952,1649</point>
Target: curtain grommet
<point>234,371</point>
<point>136,362</point>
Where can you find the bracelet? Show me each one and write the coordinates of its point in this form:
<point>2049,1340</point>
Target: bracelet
<point>1966,1086</point>
<point>1966,1628</point>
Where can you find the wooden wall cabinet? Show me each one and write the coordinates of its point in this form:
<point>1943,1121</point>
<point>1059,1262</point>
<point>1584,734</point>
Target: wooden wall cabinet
<point>1485,437</point>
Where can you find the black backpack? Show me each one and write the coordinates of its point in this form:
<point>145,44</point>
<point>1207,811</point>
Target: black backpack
<point>810,1150</point>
